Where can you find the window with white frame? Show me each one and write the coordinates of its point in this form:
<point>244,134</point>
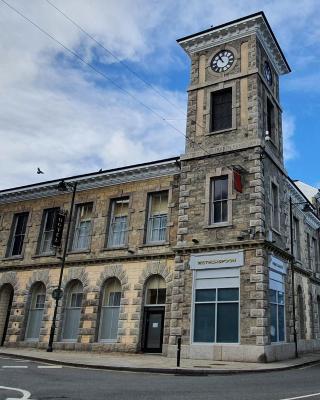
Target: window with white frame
<point>219,199</point>
<point>318,310</point>
<point>296,239</point>
<point>301,313</point>
<point>38,296</point>
<point>270,119</point>
<point>110,310</point>
<point>46,233</point>
<point>118,228</point>
<point>155,293</point>
<point>157,217</point>
<point>74,295</point>
<point>312,325</point>
<point>316,254</point>
<point>276,306</point>
<point>82,228</point>
<point>19,227</point>
<point>309,257</point>
<point>275,206</point>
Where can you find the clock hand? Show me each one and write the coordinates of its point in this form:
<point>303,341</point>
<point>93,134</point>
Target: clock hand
<point>220,58</point>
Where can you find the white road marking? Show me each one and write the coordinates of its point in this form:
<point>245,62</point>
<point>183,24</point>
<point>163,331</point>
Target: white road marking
<point>14,359</point>
<point>15,366</point>
<point>302,397</point>
<point>49,366</point>
<point>26,394</point>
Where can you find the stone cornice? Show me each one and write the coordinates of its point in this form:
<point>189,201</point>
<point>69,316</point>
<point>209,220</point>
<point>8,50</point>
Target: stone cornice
<point>252,25</point>
<point>95,261</point>
<point>297,197</point>
<point>93,181</point>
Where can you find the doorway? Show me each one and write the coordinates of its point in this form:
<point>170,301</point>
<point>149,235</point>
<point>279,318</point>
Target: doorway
<point>6,298</point>
<point>153,329</point>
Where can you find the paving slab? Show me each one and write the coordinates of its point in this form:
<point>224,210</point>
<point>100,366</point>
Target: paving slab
<point>154,363</point>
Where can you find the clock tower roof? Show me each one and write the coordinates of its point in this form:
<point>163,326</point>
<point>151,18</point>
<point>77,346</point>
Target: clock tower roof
<point>252,24</point>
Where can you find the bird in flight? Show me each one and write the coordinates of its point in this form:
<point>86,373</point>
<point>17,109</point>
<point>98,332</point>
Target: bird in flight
<point>39,171</point>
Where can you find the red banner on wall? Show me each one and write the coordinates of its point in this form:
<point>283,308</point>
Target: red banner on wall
<point>237,181</point>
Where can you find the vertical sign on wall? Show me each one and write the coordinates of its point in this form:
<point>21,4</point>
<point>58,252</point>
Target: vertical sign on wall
<point>58,228</point>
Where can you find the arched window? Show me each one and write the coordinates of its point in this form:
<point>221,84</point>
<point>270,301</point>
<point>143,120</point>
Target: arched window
<point>155,291</point>
<point>110,310</point>
<point>318,309</point>
<point>312,333</point>
<point>38,296</point>
<point>301,314</point>
<point>73,306</point>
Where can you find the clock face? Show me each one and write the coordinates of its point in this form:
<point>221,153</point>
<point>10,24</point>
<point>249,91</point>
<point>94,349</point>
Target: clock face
<point>222,61</point>
<point>268,73</point>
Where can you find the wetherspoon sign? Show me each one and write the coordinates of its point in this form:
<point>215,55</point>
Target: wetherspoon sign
<point>217,260</point>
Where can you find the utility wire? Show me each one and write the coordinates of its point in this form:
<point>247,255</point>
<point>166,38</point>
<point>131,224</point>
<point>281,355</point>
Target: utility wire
<point>76,55</point>
<point>119,60</point>
<point>112,54</point>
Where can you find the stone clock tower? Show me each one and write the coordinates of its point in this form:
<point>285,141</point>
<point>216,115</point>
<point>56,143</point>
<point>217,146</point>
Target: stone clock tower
<point>230,219</point>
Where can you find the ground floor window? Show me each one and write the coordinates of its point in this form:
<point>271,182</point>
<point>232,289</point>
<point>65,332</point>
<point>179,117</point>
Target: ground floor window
<point>110,310</point>
<point>74,295</point>
<point>38,295</point>
<point>276,299</point>
<point>216,315</point>
<point>277,303</point>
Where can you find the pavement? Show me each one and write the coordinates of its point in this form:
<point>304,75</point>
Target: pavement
<point>154,363</point>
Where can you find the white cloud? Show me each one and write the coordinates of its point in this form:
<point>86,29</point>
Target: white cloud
<point>288,127</point>
<point>60,116</point>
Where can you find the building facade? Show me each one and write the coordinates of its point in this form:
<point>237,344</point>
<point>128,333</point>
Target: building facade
<point>218,246</point>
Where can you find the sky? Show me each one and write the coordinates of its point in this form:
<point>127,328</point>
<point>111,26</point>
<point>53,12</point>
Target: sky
<point>67,118</point>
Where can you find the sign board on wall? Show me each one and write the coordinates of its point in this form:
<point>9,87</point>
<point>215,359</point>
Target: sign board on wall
<point>58,228</point>
<point>276,264</point>
<point>217,259</point>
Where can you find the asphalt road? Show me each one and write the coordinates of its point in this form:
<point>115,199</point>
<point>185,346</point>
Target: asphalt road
<point>41,382</point>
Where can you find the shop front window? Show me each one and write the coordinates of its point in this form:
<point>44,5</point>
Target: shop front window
<point>216,317</point>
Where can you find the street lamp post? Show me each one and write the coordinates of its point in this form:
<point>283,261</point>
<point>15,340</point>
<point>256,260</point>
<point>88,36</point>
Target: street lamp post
<point>292,284</point>
<point>306,208</point>
<point>62,187</point>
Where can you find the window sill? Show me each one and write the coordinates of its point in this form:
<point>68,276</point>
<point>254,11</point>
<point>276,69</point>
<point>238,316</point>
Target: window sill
<point>154,244</point>
<point>218,225</point>
<point>277,343</point>
<point>276,231</point>
<point>216,343</point>
<point>273,143</point>
<point>44,255</point>
<point>10,258</point>
<point>108,341</point>
<point>220,131</point>
<point>115,248</point>
<point>78,251</point>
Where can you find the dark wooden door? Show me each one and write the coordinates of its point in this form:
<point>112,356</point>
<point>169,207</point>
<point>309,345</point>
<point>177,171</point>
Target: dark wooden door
<point>5,328</point>
<point>153,330</point>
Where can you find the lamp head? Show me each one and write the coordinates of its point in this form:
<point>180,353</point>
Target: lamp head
<point>62,186</point>
<point>307,208</point>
